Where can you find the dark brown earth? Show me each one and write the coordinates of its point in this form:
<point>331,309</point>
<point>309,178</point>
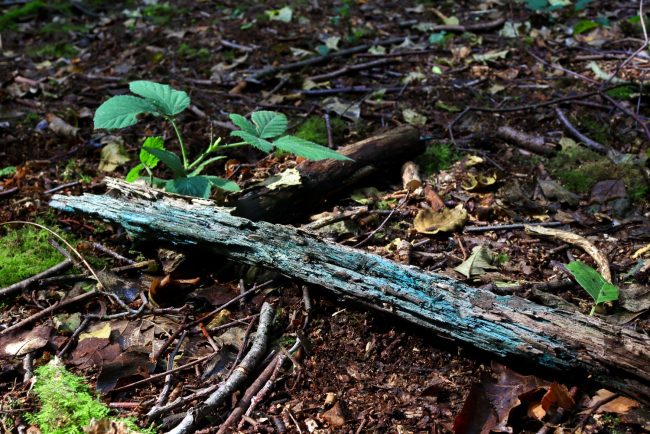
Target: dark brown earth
<point>382,375</point>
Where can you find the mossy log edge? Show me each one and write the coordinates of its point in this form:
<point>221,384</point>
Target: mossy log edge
<point>506,326</point>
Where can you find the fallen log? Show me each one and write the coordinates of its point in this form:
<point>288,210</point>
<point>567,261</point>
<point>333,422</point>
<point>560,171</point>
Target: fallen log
<point>508,327</point>
<point>322,179</point>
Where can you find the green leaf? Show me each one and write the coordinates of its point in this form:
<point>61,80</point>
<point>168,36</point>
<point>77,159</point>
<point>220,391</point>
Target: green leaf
<point>170,159</point>
<point>122,111</point>
<point>223,184</point>
<point>591,280</point>
<point>197,186</point>
<point>584,26</point>
<point>437,38</point>
<point>6,171</point>
<point>243,123</point>
<point>146,157</point>
<point>307,149</point>
<point>253,140</point>
<point>479,263</point>
<point>269,124</point>
<point>169,101</point>
<point>134,173</point>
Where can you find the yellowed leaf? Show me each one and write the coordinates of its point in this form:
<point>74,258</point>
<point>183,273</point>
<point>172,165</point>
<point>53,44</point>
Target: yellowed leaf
<point>444,220</point>
<point>101,330</point>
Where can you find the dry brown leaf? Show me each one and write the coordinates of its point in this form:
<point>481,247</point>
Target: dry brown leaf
<point>620,405</point>
<point>445,220</point>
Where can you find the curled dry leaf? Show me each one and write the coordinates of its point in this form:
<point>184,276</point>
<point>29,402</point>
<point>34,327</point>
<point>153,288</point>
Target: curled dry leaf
<point>445,220</point>
<point>576,240</point>
<point>61,127</point>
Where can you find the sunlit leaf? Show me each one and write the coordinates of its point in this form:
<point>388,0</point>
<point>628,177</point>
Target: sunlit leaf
<point>593,282</point>
<point>269,124</point>
<point>134,173</point>
<point>307,149</point>
<point>253,140</point>
<point>146,157</point>
<point>170,160</point>
<point>243,123</point>
<point>122,111</point>
<point>168,100</point>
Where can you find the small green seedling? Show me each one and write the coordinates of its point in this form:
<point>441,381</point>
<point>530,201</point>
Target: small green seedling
<point>593,282</point>
<point>265,131</point>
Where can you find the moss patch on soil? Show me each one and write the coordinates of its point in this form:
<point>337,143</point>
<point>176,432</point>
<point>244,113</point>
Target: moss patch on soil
<point>437,157</point>
<point>25,252</point>
<point>579,169</point>
<point>315,130</point>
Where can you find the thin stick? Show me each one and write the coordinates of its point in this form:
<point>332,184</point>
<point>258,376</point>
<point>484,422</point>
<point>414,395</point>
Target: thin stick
<point>24,284</point>
<point>49,310</point>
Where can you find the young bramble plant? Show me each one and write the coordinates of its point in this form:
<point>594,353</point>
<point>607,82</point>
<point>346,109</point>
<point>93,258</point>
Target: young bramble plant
<point>265,131</point>
<point>594,283</point>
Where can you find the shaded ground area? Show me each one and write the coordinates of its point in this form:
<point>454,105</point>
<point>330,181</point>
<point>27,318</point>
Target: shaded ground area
<point>501,93</point>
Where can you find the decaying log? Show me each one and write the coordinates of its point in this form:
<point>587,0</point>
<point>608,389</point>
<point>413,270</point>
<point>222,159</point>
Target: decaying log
<point>322,179</point>
<point>508,327</point>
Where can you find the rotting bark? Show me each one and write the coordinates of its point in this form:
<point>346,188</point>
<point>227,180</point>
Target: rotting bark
<point>506,326</point>
<point>322,179</point>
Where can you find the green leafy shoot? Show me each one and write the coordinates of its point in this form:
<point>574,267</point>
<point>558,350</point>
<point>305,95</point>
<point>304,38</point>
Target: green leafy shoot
<point>265,131</point>
<point>268,125</point>
<point>593,282</point>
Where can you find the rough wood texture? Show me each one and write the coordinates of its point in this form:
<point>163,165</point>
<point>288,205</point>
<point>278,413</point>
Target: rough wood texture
<point>505,326</point>
<point>322,179</point>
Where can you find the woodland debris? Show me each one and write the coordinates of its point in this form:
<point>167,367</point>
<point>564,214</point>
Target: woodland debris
<point>505,326</point>
<point>536,144</point>
<point>410,176</point>
<point>323,179</point>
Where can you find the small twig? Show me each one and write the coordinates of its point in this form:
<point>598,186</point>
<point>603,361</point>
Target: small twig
<point>399,205</point>
<point>24,284</point>
<point>592,410</point>
<point>351,68</point>
<point>477,229</point>
<point>233,382</point>
<point>8,192</point>
<point>164,394</point>
<point>45,312</point>
<point>628,112</point>
<point>28,366</point>
<point>612,154</point>
<point>72,339</point>
<point>272,70</point>
<point>61,187</point>
<point>163,374</point>
<point>328,127</point>
<point>350,89</point>
<point>113,253</point>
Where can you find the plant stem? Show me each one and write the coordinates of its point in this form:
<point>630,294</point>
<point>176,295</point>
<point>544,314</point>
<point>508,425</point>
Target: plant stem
<point>180,141</point>
<point>233,145</point>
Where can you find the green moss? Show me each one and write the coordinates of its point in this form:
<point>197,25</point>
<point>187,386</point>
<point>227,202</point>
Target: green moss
<point>437,157</point>
<point>594,128</point>
<point>579,169</point>
<point>315,130</point>
<point>59,49</point>
<point>62,27</point>
<point>25,252</point>
<point>161,14</point>
<point>17,13</point>
<point>184,50</point>
<point>67,404</point>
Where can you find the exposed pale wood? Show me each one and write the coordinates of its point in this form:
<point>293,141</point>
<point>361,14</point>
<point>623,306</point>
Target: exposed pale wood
<point>411,176</point>
<point>508,327</point>
<point>323,179</point>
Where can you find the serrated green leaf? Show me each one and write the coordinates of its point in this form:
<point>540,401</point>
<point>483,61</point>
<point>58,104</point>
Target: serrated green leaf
<point>122,111</point>
<point>196,186</point>
<point>134,173</point>
<point>307,149</point>
<point>146,157</point>
<point>243,123</point>
<point>592,281</point>
<point>269,124</point>
<point>223,184</point>
<point>253,140</point>
<point>6,171</point>
<point>170,160</point>
<point>169,101</point>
